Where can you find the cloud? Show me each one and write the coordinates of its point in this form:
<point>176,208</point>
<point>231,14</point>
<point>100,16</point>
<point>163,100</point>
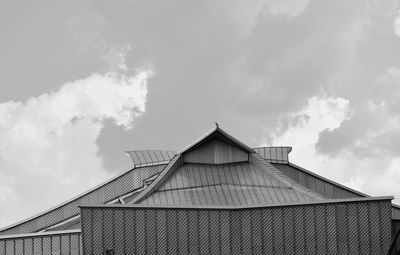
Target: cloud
<point>251,72</point>
<point>396,24</point>
<point>375,175</point>
<point>374,126</point>
<point>291,8</point>
<point>288,61</point>
<point>320,113</point>
<point>387,90</point>
<point>48,144</point>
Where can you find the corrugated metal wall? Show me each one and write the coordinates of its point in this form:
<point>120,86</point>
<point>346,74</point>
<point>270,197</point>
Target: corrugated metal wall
<point>331,228</point>
<point>395,228</point>
<point>395,212</point>
<point>47,243</point>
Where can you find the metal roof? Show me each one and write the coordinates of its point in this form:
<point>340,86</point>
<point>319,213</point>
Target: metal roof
<point>245,183</point>
<point>168,181</point>
<point>110,190</point>
<point>324,186</point>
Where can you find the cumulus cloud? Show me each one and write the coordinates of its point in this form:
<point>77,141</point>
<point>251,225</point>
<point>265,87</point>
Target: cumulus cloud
<point>376,174</point>
<point>357,146</point>
<point>265,60</point>
<point>48,143</point>
<point>258,65</point>
<point>374,126</point>
<point>320,113</point>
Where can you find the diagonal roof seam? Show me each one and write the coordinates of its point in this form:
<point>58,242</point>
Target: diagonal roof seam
<point>283,178</point>
<point>226,184</point>
<point>165,173</point>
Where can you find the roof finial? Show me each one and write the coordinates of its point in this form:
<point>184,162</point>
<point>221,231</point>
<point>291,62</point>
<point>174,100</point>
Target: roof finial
<point>216,125</point>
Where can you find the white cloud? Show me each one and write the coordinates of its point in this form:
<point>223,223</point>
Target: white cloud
<point>48,143</point>
<point>318,115</point>
<point>290,8</point>
<point>375,174</point>
<point>396,24</point>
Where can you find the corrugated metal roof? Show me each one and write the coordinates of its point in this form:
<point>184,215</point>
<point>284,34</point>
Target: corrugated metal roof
<point>323,186</point>
<point>110,190</point>
<point>243,183</point>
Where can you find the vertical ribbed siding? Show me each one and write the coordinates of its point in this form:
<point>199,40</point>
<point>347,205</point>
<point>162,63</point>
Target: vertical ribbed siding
<point>68,243</point>
<point>396,212</point>
<point>346,228</point>
<point>215,151</point>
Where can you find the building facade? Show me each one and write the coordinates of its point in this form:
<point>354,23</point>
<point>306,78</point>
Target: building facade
<point>217,196</point>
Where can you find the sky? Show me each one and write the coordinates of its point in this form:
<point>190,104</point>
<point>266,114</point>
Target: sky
<point>83,81</point>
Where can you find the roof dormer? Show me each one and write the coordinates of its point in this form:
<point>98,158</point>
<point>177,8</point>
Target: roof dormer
<point>216,147</point>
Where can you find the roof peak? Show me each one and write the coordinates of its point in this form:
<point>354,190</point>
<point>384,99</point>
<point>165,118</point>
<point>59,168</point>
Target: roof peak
<point>214,133</point>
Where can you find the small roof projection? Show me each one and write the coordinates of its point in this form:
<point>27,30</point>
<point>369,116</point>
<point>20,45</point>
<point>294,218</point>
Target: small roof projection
<point>219,133</point>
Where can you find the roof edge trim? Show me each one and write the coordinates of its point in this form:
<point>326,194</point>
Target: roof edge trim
<point>221,131</point>
<point>49,233</point>
<point>328,201</point>
<point>60,224</point>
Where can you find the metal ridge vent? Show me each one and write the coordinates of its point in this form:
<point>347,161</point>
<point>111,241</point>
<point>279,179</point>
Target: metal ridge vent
<point>150,157</point>
<point>274,154</point>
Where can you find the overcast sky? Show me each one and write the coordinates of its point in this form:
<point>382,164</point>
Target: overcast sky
<point>82,81</point>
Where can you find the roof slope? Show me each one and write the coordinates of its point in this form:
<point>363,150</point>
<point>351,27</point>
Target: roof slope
<point>112,189</point>
<point>318,184</point>
<point>323,186</point>
<point>234,184</point>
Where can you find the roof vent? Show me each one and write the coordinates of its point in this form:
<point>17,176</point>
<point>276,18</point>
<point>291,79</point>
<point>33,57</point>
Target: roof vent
<point>274,154</point>
<point>150,157</point>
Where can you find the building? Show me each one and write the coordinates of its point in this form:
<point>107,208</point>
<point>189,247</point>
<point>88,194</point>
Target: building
<point>217,196</point>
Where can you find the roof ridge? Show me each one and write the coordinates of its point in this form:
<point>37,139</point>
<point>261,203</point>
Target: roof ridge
<point>221,131</point>
<point>175,162</point>
<point>282,177</point>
